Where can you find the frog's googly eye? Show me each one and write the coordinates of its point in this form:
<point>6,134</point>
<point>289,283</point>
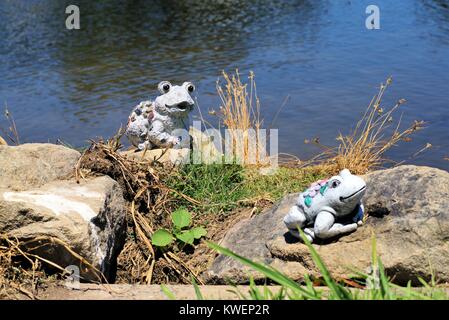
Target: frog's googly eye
<point>189,86</point>
<point>164,86</point>
<point>334,183</point>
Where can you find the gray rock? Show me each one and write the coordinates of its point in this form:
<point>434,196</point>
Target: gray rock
<point>47,214</point>
<point>407,208</point>
<point>89,217</point>
<point>35,164</point>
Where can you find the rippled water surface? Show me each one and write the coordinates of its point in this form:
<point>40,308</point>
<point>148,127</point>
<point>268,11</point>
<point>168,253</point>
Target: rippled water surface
<point>77,84</point>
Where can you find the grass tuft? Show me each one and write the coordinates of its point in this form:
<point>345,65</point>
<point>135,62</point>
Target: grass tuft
<point>240,114</point>
<point>364,148</point>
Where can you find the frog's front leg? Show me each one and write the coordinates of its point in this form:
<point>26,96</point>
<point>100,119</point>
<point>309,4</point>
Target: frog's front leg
<point>158,136</point>
<point>325,226</point>
<point>295,220</point>
<point>144,145</point>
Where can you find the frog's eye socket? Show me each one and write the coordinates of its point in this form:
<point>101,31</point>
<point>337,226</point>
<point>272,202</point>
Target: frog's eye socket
<point>189,86</point>
<point>334,183</point>
<point>164,87</point>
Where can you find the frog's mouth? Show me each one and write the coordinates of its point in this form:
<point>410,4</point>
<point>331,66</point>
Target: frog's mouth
<point>342,199</point>
<point>181,106</point>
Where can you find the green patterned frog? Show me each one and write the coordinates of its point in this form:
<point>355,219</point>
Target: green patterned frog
<point>328,208</point>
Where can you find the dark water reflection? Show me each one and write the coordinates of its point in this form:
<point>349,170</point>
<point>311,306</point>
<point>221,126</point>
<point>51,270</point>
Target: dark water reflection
<point>75,85</point>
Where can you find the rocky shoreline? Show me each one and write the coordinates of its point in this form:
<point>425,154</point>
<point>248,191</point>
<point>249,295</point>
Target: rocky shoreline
<point>61,219</point>
<point>407,214</point>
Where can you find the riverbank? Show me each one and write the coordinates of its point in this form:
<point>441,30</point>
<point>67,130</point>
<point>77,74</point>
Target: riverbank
<point>110,215</point>
<point>131,199</point>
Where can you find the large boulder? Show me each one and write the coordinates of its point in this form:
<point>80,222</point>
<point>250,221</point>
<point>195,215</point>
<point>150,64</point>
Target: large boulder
<point>61,220</point>
<point>407,213</point>
<point>34,164</point>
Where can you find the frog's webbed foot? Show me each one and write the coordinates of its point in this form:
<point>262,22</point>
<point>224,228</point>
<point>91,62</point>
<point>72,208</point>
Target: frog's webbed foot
<point>144,145</point>
<point>308,232</point>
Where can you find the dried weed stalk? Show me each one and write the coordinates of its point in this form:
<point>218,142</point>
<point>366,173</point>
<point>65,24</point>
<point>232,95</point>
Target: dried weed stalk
<point>364,148</point>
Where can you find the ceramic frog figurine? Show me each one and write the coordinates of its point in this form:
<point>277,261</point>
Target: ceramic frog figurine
<point>151,123</point>
<point>328,208</point>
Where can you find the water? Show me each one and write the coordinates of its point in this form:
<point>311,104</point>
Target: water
<point>74,85</point>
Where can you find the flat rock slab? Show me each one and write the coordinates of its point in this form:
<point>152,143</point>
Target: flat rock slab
<point>175,156</point>
<point>204,150</point>
<point>87,291</point>
<point>142,292</point>
<point>407,208</point>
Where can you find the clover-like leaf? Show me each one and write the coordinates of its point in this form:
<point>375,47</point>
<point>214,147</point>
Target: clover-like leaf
<point>161,238</point>
<point>198,232</point>
<point>181,218</point>
<point>186,236</point>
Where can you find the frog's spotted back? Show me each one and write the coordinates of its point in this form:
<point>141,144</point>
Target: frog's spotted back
<point>315,188</point>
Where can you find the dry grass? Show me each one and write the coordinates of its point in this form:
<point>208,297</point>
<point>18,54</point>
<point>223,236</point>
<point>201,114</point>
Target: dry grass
<point>240,114</point>
<point>11,134</point>
<point>364,148</point>
<point>150,203</point>
<point>23,272</point>
<point>3,142</point>
<point>15,281</point>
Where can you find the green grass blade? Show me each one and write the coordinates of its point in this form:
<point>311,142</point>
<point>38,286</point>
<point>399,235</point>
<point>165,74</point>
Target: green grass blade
<point>384,282</point>
<point>269,272</point>
<point>199,295</point>
<point>167,292</point>
<point>336,289</point>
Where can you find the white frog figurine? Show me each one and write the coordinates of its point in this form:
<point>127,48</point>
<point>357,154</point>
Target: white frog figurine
<point>151,123</point>
<point>325,208</point>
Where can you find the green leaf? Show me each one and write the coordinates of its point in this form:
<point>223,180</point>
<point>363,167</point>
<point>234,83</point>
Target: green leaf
<point>181,218</point>
<point>186,236</point>
<point>161,238</point>
<point>198,232</point>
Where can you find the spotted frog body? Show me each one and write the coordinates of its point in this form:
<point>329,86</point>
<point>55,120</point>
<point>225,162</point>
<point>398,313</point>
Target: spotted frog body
<point>153,123</point>
<point>324,209</point>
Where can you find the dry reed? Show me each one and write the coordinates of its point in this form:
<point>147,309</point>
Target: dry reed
<point>240,114</point>
<point>364,148</point>
<point>11,134</point>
